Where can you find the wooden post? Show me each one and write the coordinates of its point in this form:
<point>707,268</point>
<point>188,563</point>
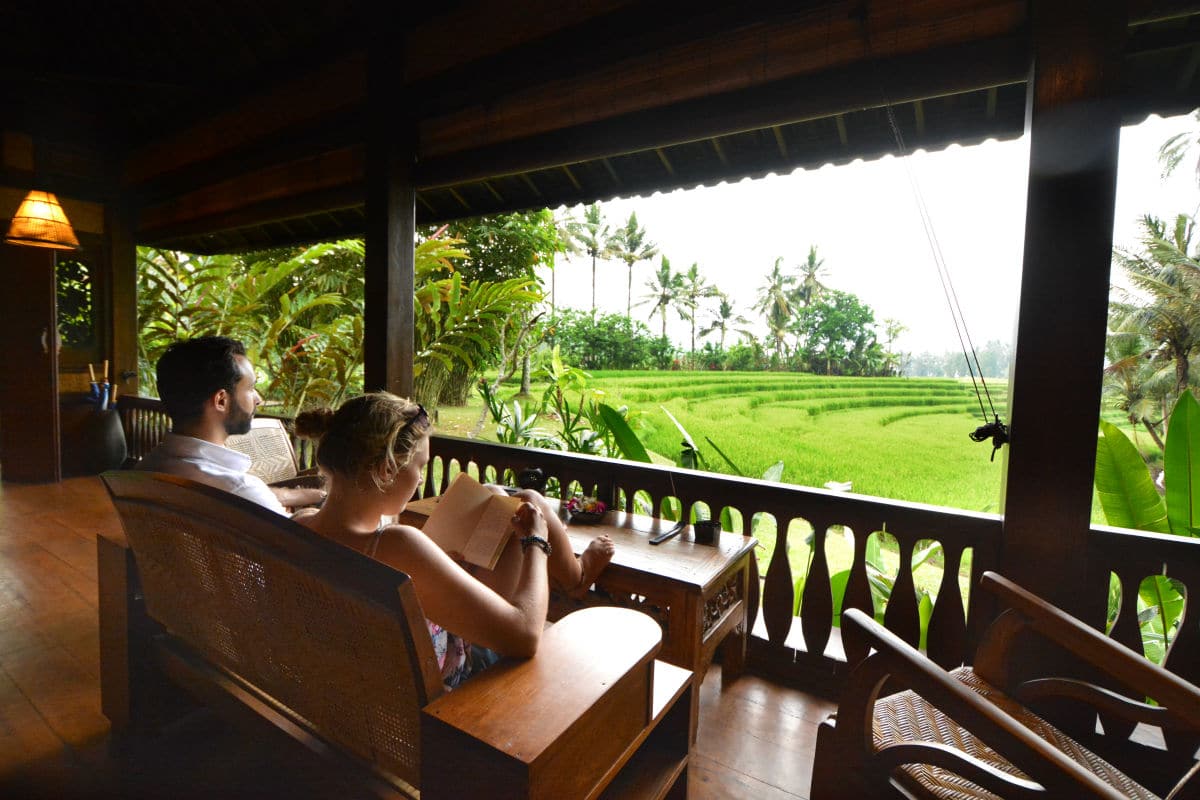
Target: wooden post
<point>391,215</point>
<point>122,299</point>
<point>1073,123</point>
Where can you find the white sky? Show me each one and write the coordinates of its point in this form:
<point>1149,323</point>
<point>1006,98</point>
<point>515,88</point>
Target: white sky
<point>864,220</point>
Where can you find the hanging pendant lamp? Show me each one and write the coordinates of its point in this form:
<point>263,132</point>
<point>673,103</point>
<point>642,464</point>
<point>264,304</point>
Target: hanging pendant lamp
<point>41,222</point>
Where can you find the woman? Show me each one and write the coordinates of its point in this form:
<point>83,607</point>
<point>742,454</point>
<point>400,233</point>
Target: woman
<point>373,451</point>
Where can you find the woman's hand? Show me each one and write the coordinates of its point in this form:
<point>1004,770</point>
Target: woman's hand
<point>529,521</point>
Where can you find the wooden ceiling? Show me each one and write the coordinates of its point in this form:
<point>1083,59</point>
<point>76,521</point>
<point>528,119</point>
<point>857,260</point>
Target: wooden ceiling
<point>232,125</point>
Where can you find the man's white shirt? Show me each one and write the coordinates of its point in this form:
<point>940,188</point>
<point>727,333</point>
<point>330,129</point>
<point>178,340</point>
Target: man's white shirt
<point>211,464</point>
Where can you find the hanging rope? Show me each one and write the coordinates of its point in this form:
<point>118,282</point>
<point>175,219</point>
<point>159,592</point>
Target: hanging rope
<point>995,430</point>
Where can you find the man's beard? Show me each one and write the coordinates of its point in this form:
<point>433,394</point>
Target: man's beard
<point>238,421</point>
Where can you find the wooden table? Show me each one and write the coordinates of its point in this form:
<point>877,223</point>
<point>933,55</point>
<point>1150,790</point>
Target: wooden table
<point>696,592</point>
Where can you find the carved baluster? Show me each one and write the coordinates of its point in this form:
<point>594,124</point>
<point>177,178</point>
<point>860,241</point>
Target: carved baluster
<point>1127,631</point>
<point>947,643</point>
<point>858,595</point>
<point>752,595</point>
<point>816,609</point>
<point>778,590</point>
<point>902,616</point>
<point>1183,658</point>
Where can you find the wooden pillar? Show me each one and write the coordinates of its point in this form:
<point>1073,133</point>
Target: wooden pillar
<point>391,215</point>
<point>29,410</point>
<point>122,299</point>
<point>1073,123</point>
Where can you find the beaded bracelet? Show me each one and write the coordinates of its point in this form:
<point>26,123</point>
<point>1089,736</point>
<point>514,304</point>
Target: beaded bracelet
<point>539,541</point>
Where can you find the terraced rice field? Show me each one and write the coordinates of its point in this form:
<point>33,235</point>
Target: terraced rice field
<point>905,439</point>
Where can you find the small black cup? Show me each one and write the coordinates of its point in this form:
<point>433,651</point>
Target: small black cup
<point>706,531</point>
<point>532,478</point>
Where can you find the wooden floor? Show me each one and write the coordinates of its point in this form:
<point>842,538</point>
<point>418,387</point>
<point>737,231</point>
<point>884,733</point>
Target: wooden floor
<point>755,738</point>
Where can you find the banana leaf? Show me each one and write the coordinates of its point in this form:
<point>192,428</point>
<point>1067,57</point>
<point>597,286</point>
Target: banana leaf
<point>626,440</point>
<point>1182,465</point>
<point>1123,484</point>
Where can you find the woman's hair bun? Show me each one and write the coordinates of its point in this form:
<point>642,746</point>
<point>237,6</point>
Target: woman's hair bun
<point>315,423</point>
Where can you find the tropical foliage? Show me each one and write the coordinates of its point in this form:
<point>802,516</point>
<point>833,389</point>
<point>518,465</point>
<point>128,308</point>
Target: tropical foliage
<point>1130,499</point>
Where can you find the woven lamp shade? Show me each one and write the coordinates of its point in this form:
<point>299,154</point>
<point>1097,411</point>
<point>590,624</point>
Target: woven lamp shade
<point>41,222</point>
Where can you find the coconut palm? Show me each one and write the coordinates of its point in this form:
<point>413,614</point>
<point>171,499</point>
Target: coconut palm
<point>811,288</point>
<point>725,320</point>
<point>629,244</point>
<point>665,293</point>
<point>1175,149</point>
<point>775,304</point>
<point>1133,384</point>
<point>1167,305</point>
<point>566,230</point>
<point>591,235</point>
<point>693,289</point>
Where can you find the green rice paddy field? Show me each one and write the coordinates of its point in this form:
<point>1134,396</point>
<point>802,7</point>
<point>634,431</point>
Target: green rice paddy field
<point>900,438</point>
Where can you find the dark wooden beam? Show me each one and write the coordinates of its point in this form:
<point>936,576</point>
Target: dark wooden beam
<point>326,135</point>
<point>626,31</point>
<point>934,73</point>
<point>1073,122</point>
<point>163,228</point>
<point>265,115</point>
<point>391,216</point>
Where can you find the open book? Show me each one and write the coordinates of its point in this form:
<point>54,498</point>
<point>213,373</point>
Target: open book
<point>471,519</point>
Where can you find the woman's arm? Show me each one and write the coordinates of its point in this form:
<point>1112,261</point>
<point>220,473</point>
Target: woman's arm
<point>461,604</point>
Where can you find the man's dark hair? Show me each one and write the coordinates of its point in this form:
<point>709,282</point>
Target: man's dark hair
<point>193,370</point>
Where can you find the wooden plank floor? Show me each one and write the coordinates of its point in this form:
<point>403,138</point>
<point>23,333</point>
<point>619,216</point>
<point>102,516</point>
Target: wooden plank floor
<point>755,740</point>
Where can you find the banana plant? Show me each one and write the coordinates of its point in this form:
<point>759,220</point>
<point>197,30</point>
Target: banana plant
<point>1130,499</point>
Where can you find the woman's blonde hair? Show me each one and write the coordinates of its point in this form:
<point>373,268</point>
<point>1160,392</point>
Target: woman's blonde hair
<point>374,433</point>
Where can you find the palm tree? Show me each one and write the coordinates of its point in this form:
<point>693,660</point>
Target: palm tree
<point>1133,384</point>
<point>811,288</point>
<point>666,288</point>
<point>1175,149</point>
<point>592,237</point>
<point>693,289</point>
<point>1168,308</point>
<point>775,303</point>
<point>629,244</point>
<point>725,320</point>
<point>566,230</point>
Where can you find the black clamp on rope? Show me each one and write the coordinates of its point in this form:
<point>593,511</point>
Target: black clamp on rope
<point>997,431</point>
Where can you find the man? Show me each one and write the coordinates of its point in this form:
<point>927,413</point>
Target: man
<point>207,385</point>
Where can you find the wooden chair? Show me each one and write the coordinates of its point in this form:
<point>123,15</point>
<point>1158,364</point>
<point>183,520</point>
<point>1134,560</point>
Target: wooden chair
<point>271,623</point>
<point>972,733</point>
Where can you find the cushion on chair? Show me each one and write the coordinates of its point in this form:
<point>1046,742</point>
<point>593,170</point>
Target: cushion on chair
<point>908,717</point>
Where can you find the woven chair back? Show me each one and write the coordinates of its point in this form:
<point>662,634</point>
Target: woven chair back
<point>335,637</point>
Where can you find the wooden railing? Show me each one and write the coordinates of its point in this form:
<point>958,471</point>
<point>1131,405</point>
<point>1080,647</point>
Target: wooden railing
<point>757,503</point>
<point>810,644</point>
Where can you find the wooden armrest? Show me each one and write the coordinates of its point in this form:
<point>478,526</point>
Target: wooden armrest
<point>1103,700</point>
<point>1034,756</point>
<point>564,720</point>
<point>1131,669</point>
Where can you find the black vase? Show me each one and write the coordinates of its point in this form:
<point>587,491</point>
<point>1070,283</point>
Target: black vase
<point>103,441</point>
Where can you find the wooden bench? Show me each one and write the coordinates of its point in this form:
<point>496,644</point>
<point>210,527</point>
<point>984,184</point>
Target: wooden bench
<point>1000,729</point>
<point>264,620</point>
